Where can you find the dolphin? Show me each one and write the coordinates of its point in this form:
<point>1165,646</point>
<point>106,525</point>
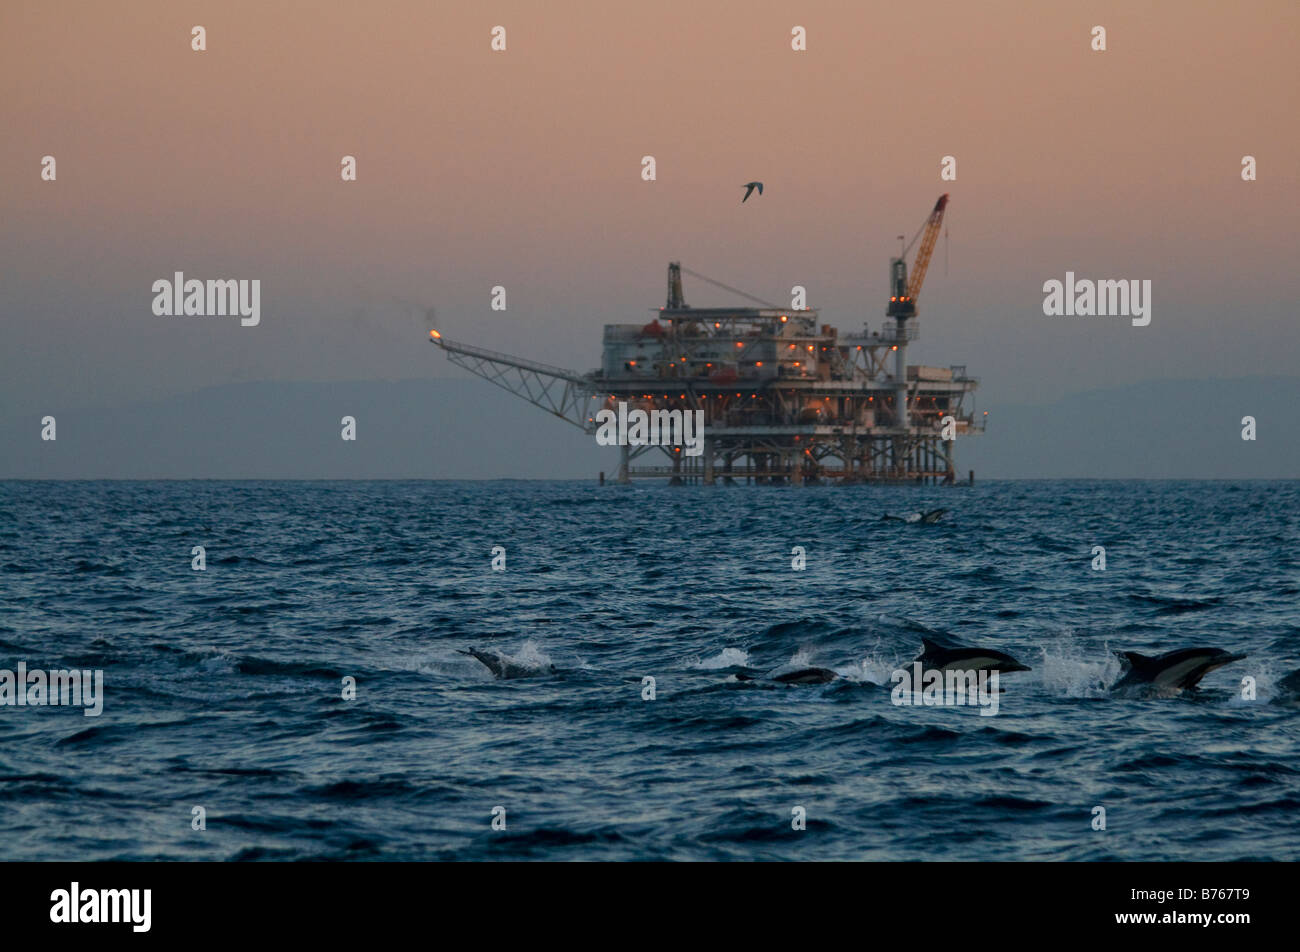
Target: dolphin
<point>920,517</point>
<point>1170,673</point>
<point>505,668</point>
<point>1287,690</point>
<point>936,656</point>
<point>793,676</point>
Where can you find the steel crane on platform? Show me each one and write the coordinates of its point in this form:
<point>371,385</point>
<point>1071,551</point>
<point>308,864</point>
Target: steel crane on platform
<point>902,292</point>
<point>902,306</point>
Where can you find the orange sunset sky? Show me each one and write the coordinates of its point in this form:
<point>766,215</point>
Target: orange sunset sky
<point>522,169</point>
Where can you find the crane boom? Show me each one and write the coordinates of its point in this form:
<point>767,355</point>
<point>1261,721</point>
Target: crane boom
<point>922,262</point>
<point>904,292</point>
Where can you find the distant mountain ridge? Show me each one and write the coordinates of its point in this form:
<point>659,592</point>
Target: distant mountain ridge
<point>468,429</point>
<point>1165,429</point>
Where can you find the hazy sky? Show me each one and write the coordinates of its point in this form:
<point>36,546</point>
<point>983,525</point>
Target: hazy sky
<point>522,169</point>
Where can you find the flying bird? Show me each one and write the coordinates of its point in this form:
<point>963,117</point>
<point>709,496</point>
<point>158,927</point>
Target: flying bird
<point>749,190</point>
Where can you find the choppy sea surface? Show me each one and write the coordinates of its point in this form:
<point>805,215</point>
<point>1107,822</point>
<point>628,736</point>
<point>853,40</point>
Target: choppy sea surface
<point>223,688</point>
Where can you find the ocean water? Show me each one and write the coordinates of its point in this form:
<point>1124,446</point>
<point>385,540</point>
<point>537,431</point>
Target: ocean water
<point>223,688</point>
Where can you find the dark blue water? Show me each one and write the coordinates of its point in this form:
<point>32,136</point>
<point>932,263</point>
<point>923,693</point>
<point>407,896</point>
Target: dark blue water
<point>223,687</point>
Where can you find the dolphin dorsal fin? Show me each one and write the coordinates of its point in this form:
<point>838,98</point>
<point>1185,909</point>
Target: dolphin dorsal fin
<point>928,646</point>
<point>1137,660</point>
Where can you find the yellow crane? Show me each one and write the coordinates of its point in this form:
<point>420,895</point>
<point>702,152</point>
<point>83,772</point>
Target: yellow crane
<point>903,293</point>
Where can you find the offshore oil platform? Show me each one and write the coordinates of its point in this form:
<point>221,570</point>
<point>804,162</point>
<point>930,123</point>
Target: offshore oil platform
<point>785,400</point>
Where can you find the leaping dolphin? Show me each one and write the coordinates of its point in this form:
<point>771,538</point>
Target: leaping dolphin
<point>936,656</point>
<point>1170,673</point>
<point>505,668</point>
<point>795,676</point>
